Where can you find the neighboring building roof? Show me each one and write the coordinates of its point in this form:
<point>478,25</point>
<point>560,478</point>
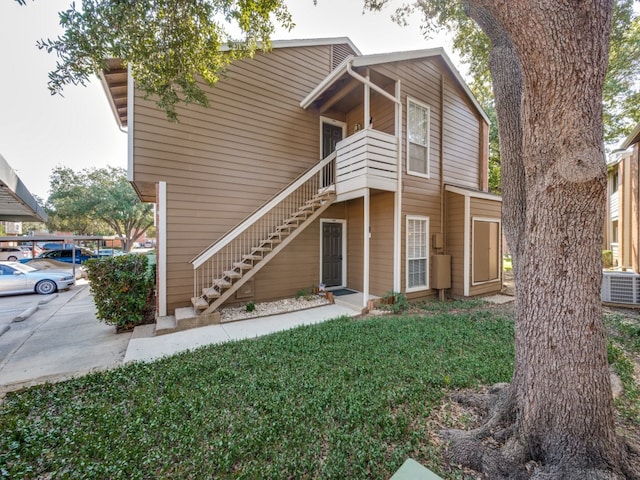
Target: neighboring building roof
<point>16,202</point>
<point>634,137</point>
<point>381,58</point>
<point>115,83</point>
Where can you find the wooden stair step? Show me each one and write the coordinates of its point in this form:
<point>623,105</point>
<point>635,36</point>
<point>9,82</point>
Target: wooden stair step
<point>262,249</point>
<point>272,240</point>
<point>283,229</point>
<point>232,274</point>
<point>291,221</point>
<point>252,257</point>
<point>199,303</point>
<point>211,293</point>
<point>222,283</point>
<point>300,213</point>
<point>242,266</point>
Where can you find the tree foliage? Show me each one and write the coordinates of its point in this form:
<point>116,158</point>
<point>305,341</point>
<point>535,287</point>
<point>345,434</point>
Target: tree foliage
<point>96,202</point>
<point>169,44</point>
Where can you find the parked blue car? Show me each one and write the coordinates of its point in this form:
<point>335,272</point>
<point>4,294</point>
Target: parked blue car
<point>66,255</point>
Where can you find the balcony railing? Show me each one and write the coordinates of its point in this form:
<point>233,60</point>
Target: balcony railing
<point>367,159</point>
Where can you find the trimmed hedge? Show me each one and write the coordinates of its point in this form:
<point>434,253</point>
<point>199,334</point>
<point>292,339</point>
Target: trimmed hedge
<point>122,288</point>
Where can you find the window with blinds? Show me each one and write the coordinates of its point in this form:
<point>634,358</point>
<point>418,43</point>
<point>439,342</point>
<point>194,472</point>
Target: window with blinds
<point>417,253</point>
<point>418,126</point>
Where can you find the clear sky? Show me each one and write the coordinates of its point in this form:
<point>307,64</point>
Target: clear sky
<point>39,131</point>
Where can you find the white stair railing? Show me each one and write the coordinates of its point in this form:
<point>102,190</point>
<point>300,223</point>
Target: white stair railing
<point>260,231</point>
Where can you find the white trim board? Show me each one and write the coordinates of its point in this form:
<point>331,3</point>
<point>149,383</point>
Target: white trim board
<point>344,250</point>
<point>473,232</point>
<point>473,193</point>
<point>162,249</point>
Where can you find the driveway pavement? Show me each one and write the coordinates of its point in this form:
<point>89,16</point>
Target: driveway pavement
<point>58,337</point>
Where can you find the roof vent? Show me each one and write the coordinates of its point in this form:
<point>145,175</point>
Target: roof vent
<point>338,53</point>
<point>621,287</point>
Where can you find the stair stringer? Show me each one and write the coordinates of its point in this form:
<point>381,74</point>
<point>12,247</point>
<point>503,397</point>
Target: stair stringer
<point>267,258</point>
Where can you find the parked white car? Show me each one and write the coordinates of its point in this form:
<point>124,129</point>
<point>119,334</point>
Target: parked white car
<point>19,278</point>
<point>13,254</point>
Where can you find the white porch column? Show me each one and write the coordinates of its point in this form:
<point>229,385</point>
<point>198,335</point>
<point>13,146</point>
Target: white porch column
<point>161,261</point>
<point>367,105</point>
<point>397,211</point>
<point>367,234</point>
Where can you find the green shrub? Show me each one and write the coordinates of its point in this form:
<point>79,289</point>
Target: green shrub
<point>396,302</point>
<point>607,258</point>
<point>250,307</point>
<point>304,293</point>
<point>123,289</point>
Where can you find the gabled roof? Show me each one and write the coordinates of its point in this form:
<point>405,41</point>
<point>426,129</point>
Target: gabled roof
<point>634,137</point>
<point>16,202</point>
<point>312,42</point>
<point>381,58</point>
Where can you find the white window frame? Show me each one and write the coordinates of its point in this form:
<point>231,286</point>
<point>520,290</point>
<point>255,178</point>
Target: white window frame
<point>334,122</point>
<point>473,253</point>
<point>418,288</point>
<point>428,145</point>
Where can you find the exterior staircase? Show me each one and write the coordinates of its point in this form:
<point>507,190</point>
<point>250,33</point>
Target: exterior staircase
<point>229,263</point>
<point>250,263</point>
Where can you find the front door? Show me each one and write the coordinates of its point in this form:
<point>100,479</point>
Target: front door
<point>332,254</point>
<point>331,135</point>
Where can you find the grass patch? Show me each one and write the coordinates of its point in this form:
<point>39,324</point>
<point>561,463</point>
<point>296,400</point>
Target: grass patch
<point>623,346</point>
<point>343,399</point>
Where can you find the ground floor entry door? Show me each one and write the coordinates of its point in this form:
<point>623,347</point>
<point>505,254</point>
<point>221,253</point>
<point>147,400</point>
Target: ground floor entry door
<point>332,254</point>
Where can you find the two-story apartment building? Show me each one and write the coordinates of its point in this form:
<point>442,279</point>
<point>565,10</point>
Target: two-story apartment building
<point>316,164</point>
<point>622,227</point>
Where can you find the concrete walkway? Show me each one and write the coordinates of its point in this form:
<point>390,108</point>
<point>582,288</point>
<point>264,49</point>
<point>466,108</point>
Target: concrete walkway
<point>58,337</point>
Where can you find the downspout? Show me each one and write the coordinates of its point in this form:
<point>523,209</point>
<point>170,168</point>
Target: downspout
<point>397,214</point>
<point>398,197</point>
<point>442,192</point>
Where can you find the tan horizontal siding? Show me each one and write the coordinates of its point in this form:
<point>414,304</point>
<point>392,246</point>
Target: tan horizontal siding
<point>461,139</point>
<point>224,161</point>
<point>481,207</point>
<point>489,288</point>
<point>295,268</point>
<point>355,243</point>
<point>455,241</point>
<point>381,244</point>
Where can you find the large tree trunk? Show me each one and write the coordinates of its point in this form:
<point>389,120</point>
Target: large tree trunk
<point>558,410</point>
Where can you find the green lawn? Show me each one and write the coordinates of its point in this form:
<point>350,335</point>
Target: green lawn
<point>344,399</point>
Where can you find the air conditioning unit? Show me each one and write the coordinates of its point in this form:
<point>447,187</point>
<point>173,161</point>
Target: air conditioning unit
<point>621,287</point>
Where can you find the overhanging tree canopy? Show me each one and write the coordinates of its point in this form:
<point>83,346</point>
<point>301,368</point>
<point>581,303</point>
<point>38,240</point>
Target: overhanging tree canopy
<point>169,44</point>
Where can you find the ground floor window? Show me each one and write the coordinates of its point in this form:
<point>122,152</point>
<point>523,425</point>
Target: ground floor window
<point>486,250</point>
<point>417,253</point>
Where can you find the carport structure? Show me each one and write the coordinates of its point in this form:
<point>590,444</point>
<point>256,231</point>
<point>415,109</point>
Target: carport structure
<point>16,202</point>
